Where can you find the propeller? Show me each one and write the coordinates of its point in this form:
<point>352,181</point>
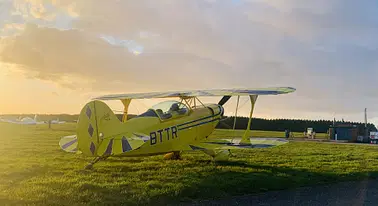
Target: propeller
<point>224,100</point>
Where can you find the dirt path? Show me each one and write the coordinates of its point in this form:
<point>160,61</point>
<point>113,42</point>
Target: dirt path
<point>340,194</point>
<point>328,141</point>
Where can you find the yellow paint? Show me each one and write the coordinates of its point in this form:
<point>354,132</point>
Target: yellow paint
<point>190,127</point>
<point>126,104</point>
<point>167,128</point>
<point>169,155</point>
<point>245,139</point>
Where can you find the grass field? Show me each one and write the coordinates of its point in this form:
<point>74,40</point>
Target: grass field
<point>35,171</point>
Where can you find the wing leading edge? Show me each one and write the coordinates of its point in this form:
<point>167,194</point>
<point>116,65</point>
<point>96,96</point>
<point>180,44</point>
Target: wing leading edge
<point>194,93</point>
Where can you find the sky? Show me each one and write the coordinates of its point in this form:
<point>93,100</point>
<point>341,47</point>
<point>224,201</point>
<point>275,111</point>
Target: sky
<point>56,55</point>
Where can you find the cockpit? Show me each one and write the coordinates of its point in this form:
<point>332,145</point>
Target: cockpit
<point>166,110</point>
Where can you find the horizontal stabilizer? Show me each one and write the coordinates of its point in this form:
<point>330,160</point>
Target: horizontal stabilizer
<point>120,144</point>
<point>68,143</point>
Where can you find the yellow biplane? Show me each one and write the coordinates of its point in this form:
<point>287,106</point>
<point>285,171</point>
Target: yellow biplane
<point>169,127</point>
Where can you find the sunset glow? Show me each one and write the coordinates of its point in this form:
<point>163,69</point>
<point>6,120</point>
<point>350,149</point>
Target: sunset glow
<point>55,56</point>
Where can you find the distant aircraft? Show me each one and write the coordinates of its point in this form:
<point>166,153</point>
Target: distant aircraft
<point>169,127</point>
<point>57,121</point>
<point>25,120</point>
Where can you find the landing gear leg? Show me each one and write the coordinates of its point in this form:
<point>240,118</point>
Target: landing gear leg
<point>94,161</point>
<point>230,154</point>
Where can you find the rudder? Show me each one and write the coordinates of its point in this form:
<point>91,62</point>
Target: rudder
<point>94,116</point>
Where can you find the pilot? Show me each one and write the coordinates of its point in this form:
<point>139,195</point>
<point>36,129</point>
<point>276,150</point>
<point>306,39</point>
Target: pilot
<point>174,108</point>
<point>162,114</point>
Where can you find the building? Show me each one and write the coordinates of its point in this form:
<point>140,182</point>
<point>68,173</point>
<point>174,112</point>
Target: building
<point>373,137</point>
<point>344,132</point>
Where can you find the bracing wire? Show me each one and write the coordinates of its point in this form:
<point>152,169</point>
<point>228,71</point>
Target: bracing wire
<point>233,114</point>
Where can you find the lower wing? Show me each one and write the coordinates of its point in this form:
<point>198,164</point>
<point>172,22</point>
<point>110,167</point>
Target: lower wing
<point>214,144</point>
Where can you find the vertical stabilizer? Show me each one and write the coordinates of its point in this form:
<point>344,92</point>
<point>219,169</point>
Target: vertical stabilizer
<point>96,121</point>
<point>100,133</point>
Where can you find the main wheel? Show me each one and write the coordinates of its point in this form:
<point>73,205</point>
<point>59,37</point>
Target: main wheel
<point>173,156</point>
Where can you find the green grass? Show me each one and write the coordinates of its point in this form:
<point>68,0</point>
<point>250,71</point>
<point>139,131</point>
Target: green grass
<point>35,171</point>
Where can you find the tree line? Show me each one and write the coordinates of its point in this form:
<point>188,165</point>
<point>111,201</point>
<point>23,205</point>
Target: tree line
<point>294,125</point>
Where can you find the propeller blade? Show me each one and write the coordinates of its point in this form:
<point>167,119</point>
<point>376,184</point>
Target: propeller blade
<point>224,100</point>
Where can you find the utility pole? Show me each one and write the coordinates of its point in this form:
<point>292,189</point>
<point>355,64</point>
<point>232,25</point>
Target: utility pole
<point>365,117</point>
<point>366,128</point>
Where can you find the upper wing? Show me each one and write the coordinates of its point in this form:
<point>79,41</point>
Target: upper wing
<point>193,93</point>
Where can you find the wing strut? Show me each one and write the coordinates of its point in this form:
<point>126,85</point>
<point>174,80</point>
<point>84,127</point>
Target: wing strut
<point>246,136</point>
<point>236,112</point>
<point>126,104</point>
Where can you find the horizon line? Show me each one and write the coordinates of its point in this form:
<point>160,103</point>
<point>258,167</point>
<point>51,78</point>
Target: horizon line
<point>28,114</point>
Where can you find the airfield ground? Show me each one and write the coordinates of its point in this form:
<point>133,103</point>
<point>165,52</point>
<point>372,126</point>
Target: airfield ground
<point>34,170</point>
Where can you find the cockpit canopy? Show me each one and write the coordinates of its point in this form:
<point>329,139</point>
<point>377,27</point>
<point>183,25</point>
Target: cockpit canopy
<point>166,110</point>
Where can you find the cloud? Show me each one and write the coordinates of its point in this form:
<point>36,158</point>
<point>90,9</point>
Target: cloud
<point>40,12</point>
<point>50,54</point>
<point>327,50</point>
<point>132,46</point>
